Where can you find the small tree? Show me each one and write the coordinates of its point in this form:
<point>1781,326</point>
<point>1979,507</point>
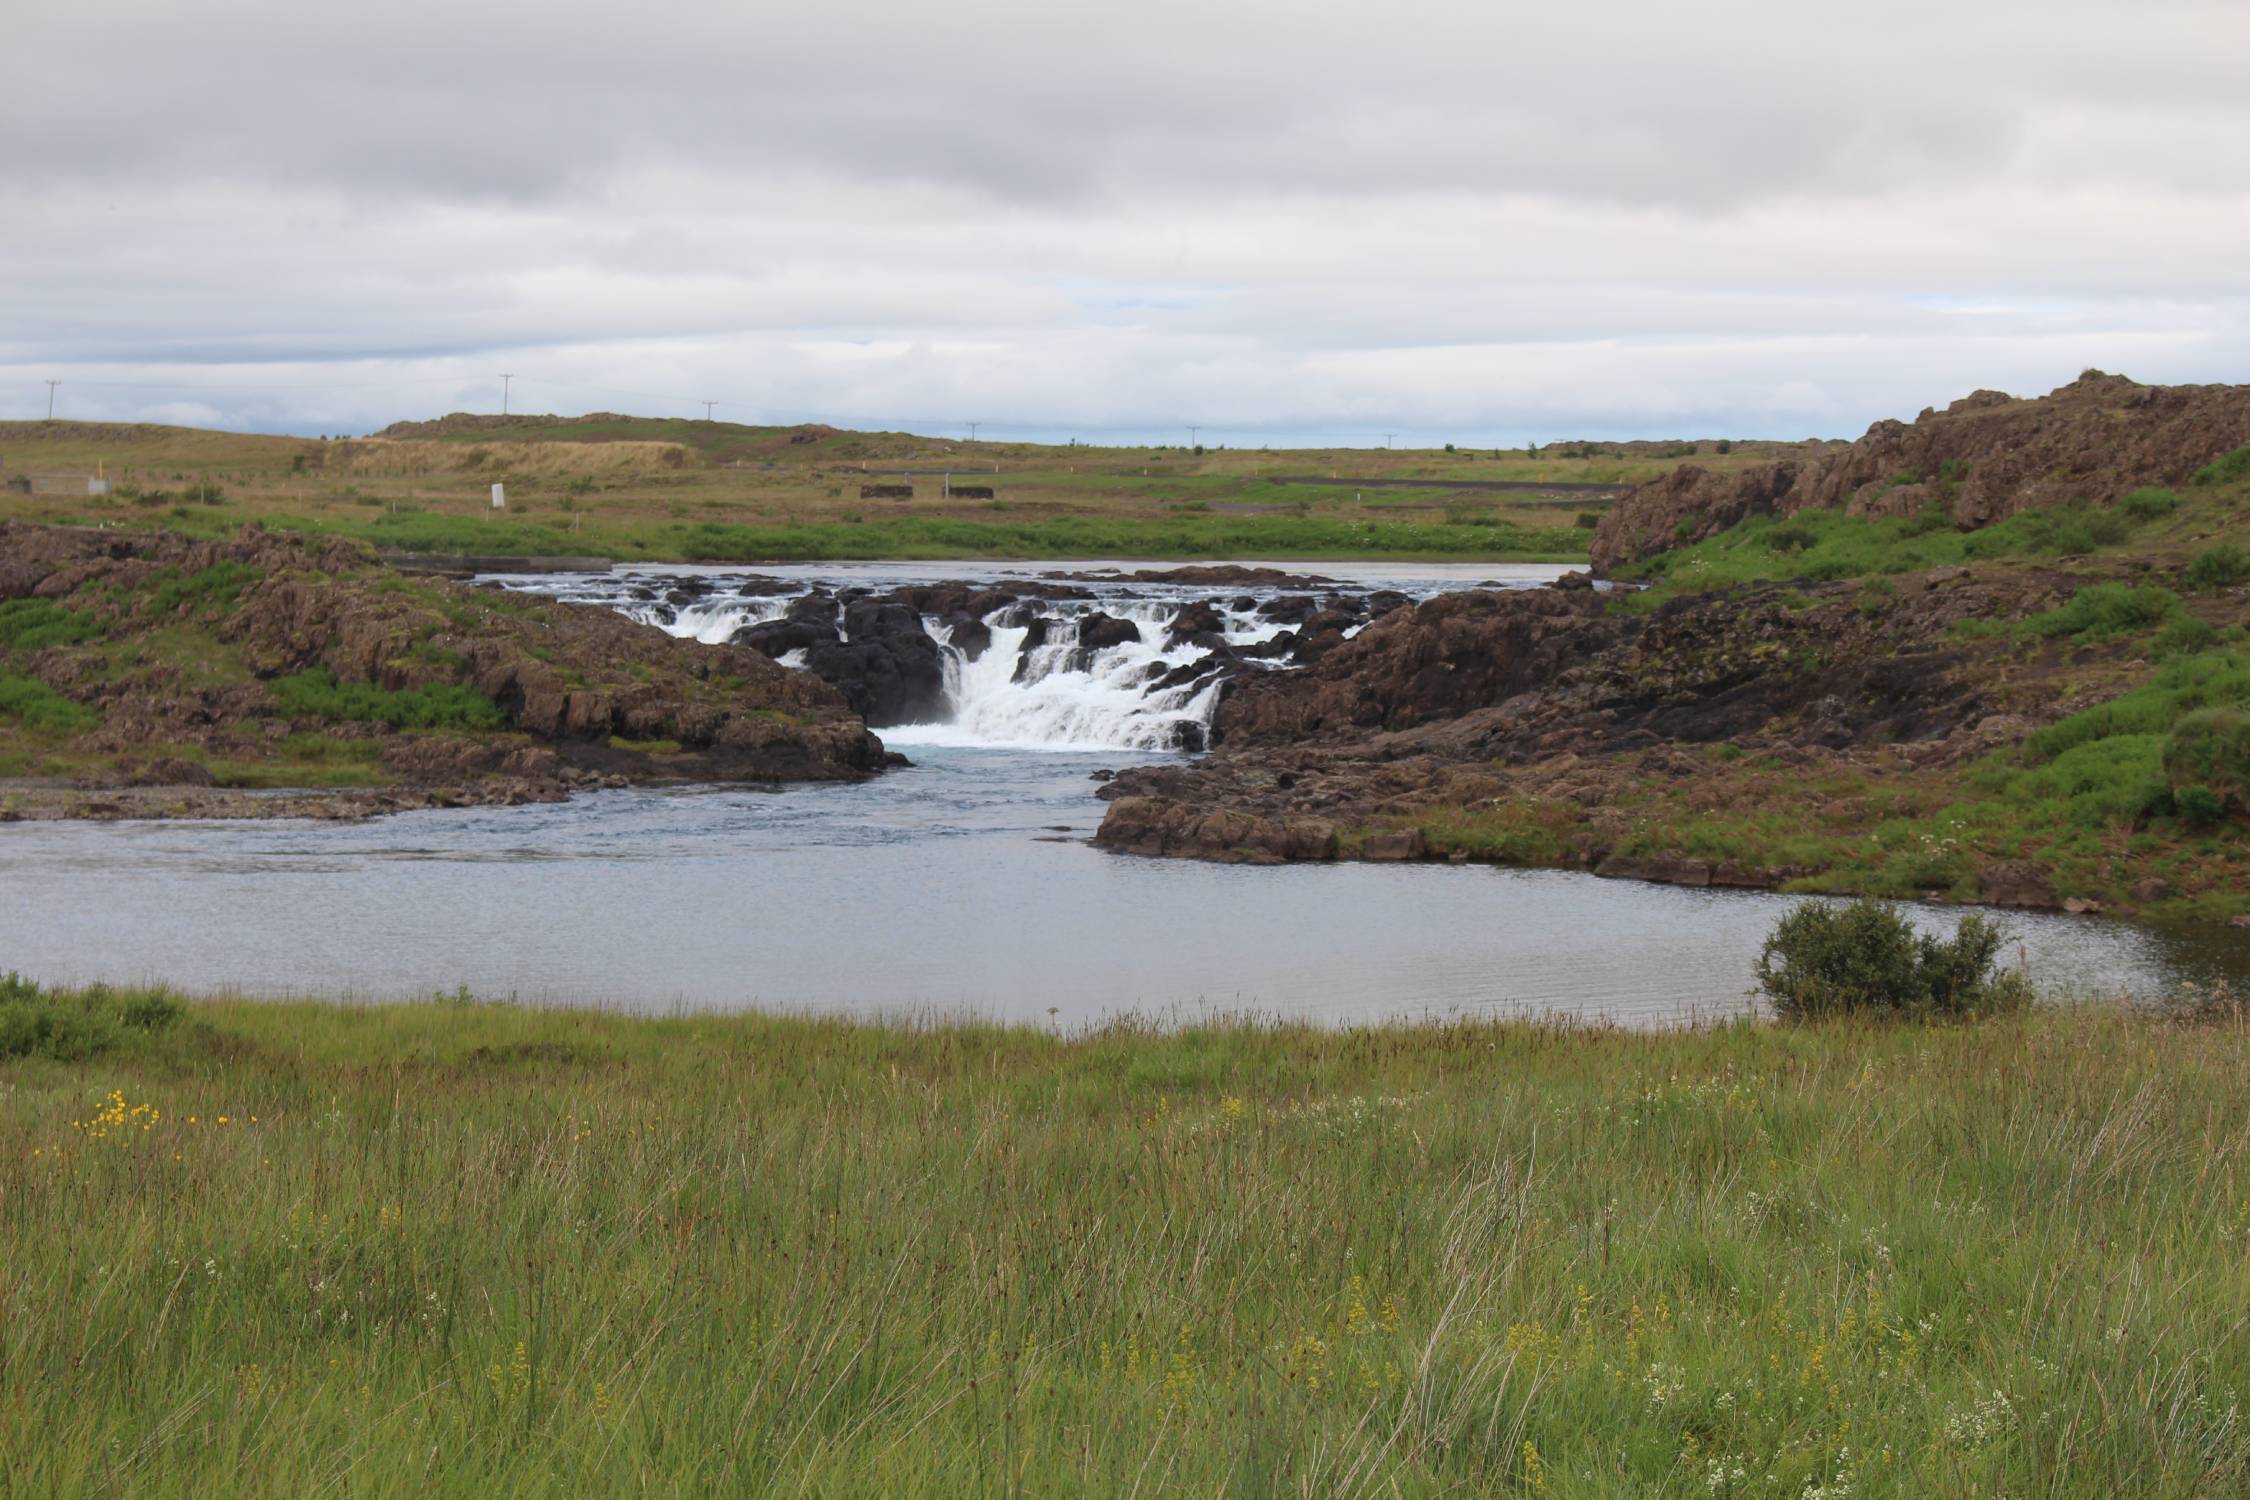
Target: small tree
<point>1866,958</point>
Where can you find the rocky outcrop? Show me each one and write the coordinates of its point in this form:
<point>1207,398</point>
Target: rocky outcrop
<point>886,666</point>
<point>599,696</point>
<point>1147,825</point>
<point>1545,702</point>
<point>1456,653</point>
<point>1685,506</point>
<point>1986,457</point>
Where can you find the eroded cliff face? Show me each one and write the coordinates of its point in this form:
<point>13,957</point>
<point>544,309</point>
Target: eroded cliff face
<point>181,640</point>
<point>1986,457</point>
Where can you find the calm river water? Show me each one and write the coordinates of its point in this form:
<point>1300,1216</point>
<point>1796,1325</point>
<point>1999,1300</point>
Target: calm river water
<point>960,885</point>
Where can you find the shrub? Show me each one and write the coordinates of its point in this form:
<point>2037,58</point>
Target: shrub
<point>72,1025</point>
<point>2149,502</point>
<point>2198,806</point>
<point>2233,466</point>
<point>1791,539</point>
<point>35,624</point>
<point>2106,609</point>
<point>2209,750</point>
<point>1866,958</point>
<point>34,705</point>
<point>2185,636</point>
<point>2218,567</point>
<point>1724,445</point>
<point>315,693</point>
<point>2108,527</point>
<point>1588,520</point>
<point>220,584</point>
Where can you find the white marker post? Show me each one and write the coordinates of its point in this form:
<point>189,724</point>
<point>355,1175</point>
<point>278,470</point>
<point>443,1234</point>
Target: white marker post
<point>499,497</point>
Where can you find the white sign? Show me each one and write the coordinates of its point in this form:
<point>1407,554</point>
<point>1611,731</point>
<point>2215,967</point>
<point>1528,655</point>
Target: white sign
<point>499,497</point>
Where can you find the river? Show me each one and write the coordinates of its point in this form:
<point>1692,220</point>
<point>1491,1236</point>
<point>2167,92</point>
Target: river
<point>962,885</point>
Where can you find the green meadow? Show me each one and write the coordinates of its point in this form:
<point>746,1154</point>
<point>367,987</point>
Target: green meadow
<point>462,1248</point>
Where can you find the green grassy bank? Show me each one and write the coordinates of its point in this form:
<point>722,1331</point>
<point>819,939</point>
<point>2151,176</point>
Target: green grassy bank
<point>928,538</point>
<point>453,1249</point>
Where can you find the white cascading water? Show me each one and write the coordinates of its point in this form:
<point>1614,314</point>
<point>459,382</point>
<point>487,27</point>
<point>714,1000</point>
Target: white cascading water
<point>1051,705</point>
<point>1109,703</point>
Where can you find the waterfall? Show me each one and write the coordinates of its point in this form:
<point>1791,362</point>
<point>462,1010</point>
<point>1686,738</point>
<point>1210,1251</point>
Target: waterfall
<point>1050,702</point>
<point>1143,695</point>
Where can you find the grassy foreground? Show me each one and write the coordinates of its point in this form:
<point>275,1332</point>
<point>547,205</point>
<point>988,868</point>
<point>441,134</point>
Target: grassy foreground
<point>452,1248</point>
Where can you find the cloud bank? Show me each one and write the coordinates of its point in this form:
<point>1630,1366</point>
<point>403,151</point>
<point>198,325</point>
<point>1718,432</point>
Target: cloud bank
<point>1280,222</point>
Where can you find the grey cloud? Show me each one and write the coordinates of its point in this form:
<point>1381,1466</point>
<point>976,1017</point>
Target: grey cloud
<point>1517,220</point>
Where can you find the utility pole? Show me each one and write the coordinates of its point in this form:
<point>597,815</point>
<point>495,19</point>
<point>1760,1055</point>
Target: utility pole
<point>51,399</point>
<point>1387,438</point>
<point>707,409</point>
<point>504,393</point>
<point>1193,432</point>
<point>973,426</point>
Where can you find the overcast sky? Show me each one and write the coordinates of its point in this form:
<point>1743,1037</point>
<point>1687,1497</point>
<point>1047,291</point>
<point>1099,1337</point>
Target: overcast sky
<point>1284,222</point>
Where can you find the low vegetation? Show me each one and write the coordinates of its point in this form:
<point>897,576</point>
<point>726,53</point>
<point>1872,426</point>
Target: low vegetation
<point>296,1249</point>
<point>1822,544</point>
<point>1866,957</point>
<point>652,490</point>
<point>316,694</point>
<point>75,1025</point>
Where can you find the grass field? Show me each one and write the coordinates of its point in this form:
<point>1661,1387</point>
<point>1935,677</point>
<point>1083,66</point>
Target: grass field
<point>454,1248</point>
<point>661,490</point>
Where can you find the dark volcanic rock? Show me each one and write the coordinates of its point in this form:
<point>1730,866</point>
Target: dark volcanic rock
<point>1098,631</point>
<point>1456,653</point>
<point>1199,618</point>
<point>887,667</point>
<point>1146,825</point>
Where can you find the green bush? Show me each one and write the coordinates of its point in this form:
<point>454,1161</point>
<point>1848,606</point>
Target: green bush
<point>72,1025</point>
<point>220,584</point>
<point>1792,539</point>
<point>315,693</point>
<point>2198,806</point>
<point>35,624</point>
<point>1866,958</point>
<point>2185,636</point>
<point>2235,465</point>
<point>2218,567</point>
<point>2106,609</point>
<point>34,705</point>
<point>2149,502</point>
<point>2210,748</point>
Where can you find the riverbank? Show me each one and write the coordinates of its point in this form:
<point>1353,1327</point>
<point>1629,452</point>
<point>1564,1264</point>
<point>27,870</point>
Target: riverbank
<point>1988,657</point>
<point>453,1246</point>
<point>149,674</point>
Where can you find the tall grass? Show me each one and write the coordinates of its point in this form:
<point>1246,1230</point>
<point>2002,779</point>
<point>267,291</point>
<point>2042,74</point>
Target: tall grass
<point>456,1249</point>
